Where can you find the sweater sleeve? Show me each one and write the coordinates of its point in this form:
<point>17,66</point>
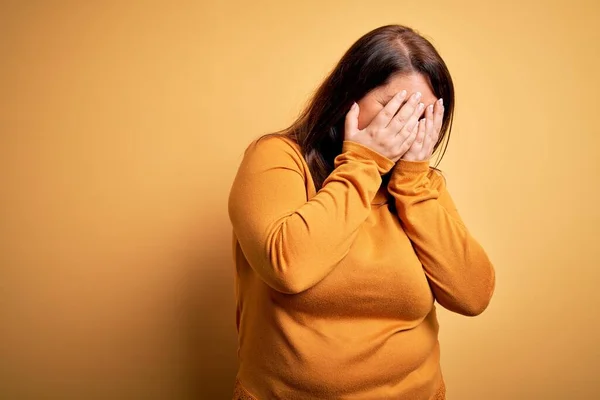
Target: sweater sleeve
<point>290,241</point>
<point>460,273</point>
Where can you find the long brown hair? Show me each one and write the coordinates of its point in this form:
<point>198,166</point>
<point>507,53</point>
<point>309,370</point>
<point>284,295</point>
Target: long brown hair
<point>370,62</point>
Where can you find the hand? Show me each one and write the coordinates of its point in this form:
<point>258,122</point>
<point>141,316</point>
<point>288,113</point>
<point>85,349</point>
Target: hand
<point>427,135</point>
<point>392,132</point>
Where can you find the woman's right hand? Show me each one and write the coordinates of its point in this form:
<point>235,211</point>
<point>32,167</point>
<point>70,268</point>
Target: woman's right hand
<point>392,132</point>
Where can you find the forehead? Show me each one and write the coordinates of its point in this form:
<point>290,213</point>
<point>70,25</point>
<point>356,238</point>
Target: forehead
<point>411,83</point>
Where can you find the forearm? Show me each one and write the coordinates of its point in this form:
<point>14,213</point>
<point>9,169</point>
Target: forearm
<point>304,246</point>
<point>460,273</point>
<point>291,242</point>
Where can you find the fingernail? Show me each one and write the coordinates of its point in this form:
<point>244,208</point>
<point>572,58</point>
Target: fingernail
<point>354,105</point>
<point>441,101</point>
<point>421,105</point>
<point>418,95</point>
<point>430,107</point>
<point>403,93</point>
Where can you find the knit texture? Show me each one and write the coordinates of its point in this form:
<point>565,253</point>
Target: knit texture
<point>335,290</point>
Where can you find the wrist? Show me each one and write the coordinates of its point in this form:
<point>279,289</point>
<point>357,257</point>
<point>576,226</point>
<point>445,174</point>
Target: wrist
<point>362,153</point>
<point>404,165</point>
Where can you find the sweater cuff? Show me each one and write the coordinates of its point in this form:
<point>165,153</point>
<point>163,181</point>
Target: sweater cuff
<point>412,166</point>
<point>363,153</point>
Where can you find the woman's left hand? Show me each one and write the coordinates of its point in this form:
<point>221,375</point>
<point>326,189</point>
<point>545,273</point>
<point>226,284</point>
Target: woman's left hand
<point>428,134</point>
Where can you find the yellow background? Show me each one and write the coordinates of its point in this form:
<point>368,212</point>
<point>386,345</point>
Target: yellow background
<point>121,128</point>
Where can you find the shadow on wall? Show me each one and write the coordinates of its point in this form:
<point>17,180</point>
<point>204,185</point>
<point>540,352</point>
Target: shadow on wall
<point>209,333</point>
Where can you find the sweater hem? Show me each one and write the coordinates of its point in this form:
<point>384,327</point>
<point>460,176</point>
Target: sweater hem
<point>240,393</point>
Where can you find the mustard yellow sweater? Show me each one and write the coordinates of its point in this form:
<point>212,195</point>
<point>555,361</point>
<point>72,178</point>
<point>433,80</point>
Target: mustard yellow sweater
<point>335,290</point>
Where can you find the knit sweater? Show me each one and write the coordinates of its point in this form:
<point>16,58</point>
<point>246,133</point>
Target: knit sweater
<point>335,289</point>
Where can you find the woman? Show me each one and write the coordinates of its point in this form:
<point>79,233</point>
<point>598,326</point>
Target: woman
<point>344,235</point>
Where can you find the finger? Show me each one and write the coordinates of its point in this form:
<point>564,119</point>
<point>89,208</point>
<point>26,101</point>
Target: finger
<point>430,132</point>
<point>437,124</point>
<point>438,115</point>
<point>428,144</point>
<point>384,116</point>
<point>413,120</point>
<point>429,119</point>
<point>351,124</point>
<point>421,128</point>
<point>406,142</point>
<point>407,110</point>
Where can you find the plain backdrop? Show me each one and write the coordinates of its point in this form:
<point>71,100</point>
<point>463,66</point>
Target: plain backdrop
<point>121,128</point>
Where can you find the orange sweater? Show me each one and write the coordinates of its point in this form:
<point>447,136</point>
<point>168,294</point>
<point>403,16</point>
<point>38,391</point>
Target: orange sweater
<point>335,289</point>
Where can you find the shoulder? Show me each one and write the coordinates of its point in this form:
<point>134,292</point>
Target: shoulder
<point>437,177</point>
<point>274,149</point>
<point>274,142</point>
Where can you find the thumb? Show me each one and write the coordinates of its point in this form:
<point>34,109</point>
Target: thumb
<point>351,124</point>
